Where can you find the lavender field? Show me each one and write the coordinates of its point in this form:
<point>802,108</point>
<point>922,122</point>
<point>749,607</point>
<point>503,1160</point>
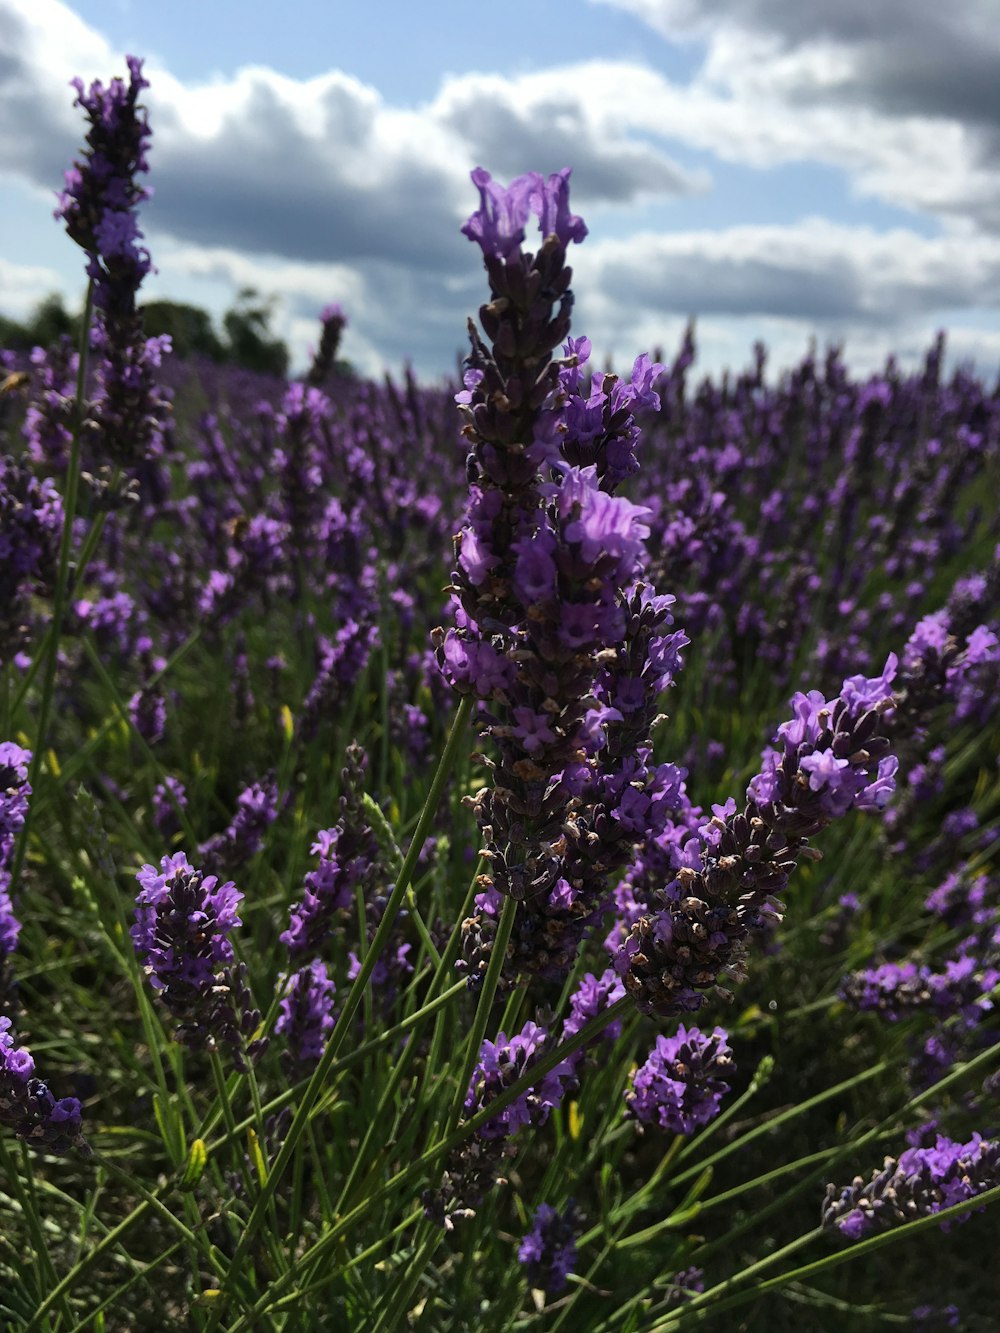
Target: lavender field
<point>512,854</point>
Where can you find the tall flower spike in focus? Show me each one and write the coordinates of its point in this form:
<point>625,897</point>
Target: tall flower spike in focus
<point>555,632</point>
<point>98,205</point>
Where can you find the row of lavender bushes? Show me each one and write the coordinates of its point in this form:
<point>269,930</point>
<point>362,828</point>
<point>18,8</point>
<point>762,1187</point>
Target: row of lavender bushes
<point>412,805</point>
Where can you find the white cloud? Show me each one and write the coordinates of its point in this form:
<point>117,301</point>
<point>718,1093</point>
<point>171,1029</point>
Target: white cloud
<point>323,189</point>
<point>24,285</point>
<point>900,94</point>
<point>814,269</point>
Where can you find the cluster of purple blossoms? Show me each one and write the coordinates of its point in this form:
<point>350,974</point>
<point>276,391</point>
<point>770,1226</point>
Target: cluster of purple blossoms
<point>473,1168</point>
<point>831,760</point>
<point>306,1013</point>
<point>962,989</point>
<point>349,859</point>
<point>919,1184</point>
<point>169,802</point>
<point>955,997</point>
<point>555,632</point>
<point>26,1105</point>
<point>686,1284</point>
<point>256,811</point>
<point>501,1063</point>
<point>183,920</point>
<point>964,899</point>
<point>31,519</point>
<point>98,205</point>
<point>592,997</point>
<point>333,322</point>
<point>48,421</point>
<point>680,1086</point>
<point>548,1251</point>
<point>342,659</point>
<point>14,792</point>
<point>255,558</point>
<point>952,657</point>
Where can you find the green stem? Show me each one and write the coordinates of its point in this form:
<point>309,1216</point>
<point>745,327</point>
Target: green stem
<point>27,1199</point>
<point>860,1248</point>
<point>357,991</point>
<point>437,1151</point>
<point>498,956</point>
<point>59,593</point>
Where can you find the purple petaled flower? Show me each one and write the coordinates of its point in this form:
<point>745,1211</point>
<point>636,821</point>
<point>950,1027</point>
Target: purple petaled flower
<point>592,997</point>
<point>31,519</point>
<point>14,791</point>
<point>28,1108</point>
<point>98,207</point>
<point>689,1282</point>
<point>548,1251</point>
<point>497,226</point>
<point>256,810</point>
<point>148,711</point>
<point>169,800</point>
<point>892,989</point>
<point>832,760</point>
<point>10,926</point>
<point>501,1063</point>
<point>922,1182</point>
<point>182,924</point>
<point>679,1087</point>
<point>306,1016</point>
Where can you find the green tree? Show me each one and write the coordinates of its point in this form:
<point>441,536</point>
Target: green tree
<point>190,328</point>
<point>248,331</point>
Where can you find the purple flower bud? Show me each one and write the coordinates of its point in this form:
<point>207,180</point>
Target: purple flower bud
<point>679,1086</point>
<point>548,1251</point>
<point>28,1108</point>
<point>306,1016</point>
<point>502,1063</point>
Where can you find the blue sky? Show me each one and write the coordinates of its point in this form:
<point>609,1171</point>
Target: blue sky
<point>779,169</point>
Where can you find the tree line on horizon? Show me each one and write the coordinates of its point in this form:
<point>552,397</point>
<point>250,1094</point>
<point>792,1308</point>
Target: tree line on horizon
<point>246,339</point>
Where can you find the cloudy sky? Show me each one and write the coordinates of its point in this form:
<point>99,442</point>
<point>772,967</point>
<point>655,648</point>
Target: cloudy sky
<point>780,169</point>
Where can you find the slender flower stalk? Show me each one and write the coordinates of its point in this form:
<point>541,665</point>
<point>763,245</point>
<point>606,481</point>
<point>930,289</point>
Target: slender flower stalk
<point>832,760</point>
<point>98,205</point>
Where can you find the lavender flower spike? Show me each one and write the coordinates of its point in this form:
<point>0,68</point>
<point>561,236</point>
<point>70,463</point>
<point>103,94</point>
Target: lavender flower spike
<point>182,924</point>
<point>98,207</point>
<point>306,1017</point>
<point>921,1183</point>
<point>548,1251</point>
<point>14,792</point>
<point>28,1108</point>
<point>831,760</point>
<point>678,1087</point>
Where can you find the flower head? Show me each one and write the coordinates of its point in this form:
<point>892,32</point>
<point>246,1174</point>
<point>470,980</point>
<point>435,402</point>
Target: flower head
<point>548,1251</point>
<point>680,1087</point>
